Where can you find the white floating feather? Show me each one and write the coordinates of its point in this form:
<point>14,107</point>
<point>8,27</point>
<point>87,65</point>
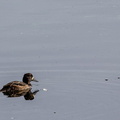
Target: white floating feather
<point>44,89</point>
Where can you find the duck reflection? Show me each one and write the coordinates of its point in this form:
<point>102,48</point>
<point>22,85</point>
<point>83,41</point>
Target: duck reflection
<point>28,94</point>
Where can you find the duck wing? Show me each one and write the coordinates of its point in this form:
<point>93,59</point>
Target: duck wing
<point>12,84</point>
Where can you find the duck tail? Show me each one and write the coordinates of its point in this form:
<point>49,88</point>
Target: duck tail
<point>2,90</point>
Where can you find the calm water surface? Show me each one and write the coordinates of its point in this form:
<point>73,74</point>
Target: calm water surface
<point>71,47</point>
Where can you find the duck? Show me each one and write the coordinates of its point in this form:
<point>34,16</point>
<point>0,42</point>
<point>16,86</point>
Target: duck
<point>19,85</point>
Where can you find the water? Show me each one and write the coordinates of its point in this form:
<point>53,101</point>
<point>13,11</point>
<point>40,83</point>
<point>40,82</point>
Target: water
<point>71,47</point>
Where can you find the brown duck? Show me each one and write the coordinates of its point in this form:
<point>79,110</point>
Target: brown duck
<point>19,86</point>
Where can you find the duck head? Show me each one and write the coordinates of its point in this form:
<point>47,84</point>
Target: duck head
<point>28,77</point>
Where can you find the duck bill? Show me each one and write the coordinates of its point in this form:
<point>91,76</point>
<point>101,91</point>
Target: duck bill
<point>33,79</point>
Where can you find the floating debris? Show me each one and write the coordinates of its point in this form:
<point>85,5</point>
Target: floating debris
<point>44,89</point>
<point>106,79</point>
<point>118,77</point>
<point>12,118</point>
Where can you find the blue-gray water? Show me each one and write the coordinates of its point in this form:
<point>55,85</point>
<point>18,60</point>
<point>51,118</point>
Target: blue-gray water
<point>71,47</point>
